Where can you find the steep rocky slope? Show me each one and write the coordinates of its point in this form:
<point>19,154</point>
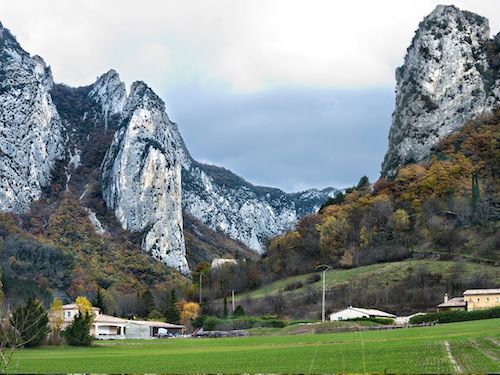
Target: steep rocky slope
<point>31,133</point>
<point>450,75</point>
<point>248,213</point>
<point>141,177</point>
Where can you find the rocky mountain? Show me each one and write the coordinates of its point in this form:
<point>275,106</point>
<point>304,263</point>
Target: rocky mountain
<point>121,153</point>
<point>248,213</point>
<point>141,177</point>
<point>31,132</point>
<point>450,75</point>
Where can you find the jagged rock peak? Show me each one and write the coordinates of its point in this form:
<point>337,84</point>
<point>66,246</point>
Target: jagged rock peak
<point>141,95</point>
<point>31,138</point>
<point>110,93</point>
<point>141,177</point>
<point>447,79</point>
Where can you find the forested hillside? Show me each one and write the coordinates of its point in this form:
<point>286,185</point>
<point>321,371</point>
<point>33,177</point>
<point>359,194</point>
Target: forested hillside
<point>449,204</point>
<point>446,207</point>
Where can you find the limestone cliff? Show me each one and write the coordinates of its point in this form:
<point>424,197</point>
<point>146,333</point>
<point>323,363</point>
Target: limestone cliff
<point>141,177</point>
<point>450,75</point>
<point>31,134</point>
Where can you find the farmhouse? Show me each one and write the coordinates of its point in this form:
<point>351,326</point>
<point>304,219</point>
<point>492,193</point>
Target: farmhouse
<point>358,312</point>
<point>473,299</point>
<point>480,299</point>
<point>107,327</point>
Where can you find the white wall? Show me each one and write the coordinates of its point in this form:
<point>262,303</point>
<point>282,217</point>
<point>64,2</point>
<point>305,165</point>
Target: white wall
<point>347,314</point>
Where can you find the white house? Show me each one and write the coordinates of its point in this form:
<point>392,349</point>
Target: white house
<point>107,327</point>
<point>358,312</point>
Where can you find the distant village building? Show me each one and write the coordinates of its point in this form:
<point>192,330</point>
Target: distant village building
<point>455,303</point>
<point>473,299</point>
<point>219,262</point>
<point>358,312</point>
<point>107,327</point>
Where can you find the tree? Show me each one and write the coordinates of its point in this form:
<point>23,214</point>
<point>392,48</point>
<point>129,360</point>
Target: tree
<point>84,305</point>
<point>363,181</point>
<point>238,311</point>
<point>32,321</point>
<point>172,314</point>
<point>148,302</point>
<point>104,301</point>
<point>56,318</point>
<point>189,311</point>
<point>225,313</point>
<point>78,332</point>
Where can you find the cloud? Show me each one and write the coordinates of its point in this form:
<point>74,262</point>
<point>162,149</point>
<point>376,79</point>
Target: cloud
<point>284,92</point>
<point>246,45</point>
<point>292,138</point>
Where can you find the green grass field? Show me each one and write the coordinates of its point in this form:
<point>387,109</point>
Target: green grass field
<point>376,275</point>
<point>470,347</point>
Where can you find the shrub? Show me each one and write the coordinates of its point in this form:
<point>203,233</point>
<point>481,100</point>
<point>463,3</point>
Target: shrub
<point>238,311</point>
<point>313,278</point>
<point>293,286</point>
<point>456,316</point>
<point>78,332</point>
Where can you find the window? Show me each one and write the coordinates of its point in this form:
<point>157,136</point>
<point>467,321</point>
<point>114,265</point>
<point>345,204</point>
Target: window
<point>68,314</point>
<point>478,300</point>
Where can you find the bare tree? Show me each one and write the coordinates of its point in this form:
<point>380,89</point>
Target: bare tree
<point>16,331</point>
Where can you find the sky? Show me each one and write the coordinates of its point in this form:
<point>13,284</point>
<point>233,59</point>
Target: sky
<point>285,93</point>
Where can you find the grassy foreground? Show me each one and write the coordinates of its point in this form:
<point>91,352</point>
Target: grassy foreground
<point>472,347</point>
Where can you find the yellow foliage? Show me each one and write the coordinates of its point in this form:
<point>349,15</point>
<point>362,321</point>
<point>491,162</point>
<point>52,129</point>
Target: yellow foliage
<point>84,305</point>
<point>189,311</point>
<point>401,220</point>
<point>56,318</point>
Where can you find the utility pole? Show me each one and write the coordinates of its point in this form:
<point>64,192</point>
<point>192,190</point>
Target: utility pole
<point>325,267</point>
<point>201,278</point>
<point>233,298</point>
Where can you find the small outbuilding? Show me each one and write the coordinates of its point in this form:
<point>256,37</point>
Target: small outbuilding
<point>143,329</point>
<point>359,312</point>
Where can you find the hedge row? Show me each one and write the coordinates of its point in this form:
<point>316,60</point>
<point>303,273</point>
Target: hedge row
<point>456,316</point>
<point>383,321</point>
<point>212,323</point>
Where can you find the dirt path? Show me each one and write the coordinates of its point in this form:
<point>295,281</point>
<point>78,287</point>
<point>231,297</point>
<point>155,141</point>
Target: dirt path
<point>454,364</point>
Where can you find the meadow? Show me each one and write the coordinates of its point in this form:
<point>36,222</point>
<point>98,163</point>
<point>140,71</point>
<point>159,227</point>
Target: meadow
<point>375,275</point>
<point>470,347</point>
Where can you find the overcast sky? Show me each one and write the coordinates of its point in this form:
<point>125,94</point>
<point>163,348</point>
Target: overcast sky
<point>292,94</point>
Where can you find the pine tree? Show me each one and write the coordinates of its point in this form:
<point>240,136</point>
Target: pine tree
<point>31,321</point>
<point>225,312</point>
<point>78,332</point>
<point>148,302</point>
<point>172,314</point>
<point>104,301</point>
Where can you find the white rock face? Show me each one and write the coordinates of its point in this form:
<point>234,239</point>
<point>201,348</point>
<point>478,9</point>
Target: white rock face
<point>31,139</point>
<point>445,81</point>
<point>110,93</point>
<point>141,177</point>
<point>250,214</point>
